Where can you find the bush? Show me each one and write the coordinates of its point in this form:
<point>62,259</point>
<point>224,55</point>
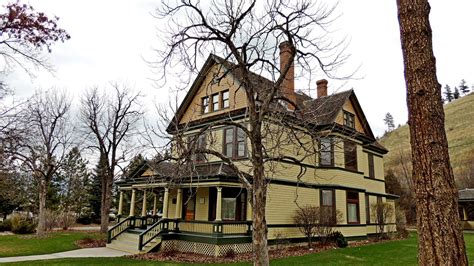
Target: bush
<point>339,239</point>
<point>230,254</point>
<point>21,224</point>
<point>6,225</point>
<point>50,219</point>
<point>66,220</point>
<point>84,220</point>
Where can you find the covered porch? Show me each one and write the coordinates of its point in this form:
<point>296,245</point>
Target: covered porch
<point>466,208</point>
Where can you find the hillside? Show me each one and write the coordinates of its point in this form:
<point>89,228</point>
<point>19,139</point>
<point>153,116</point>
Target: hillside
<point>460,131</point>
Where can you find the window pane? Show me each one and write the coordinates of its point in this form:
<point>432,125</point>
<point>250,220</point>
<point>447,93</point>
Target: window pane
<point>325,152</point>
<point>352,213</point>
<point>352,196</point>
<point>241,149</point>
<point>215,102</point>
<point>327,197</point>
<point>367,209</point>
<point>228,208</point>
<point>350,155</point>
<point>225,99</point>
<point>229,149</point>
<point>371,166</point>
<point>205,105</point>
<point>229,135</point>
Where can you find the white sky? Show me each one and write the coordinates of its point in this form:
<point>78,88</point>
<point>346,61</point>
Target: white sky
<point>111,38</point>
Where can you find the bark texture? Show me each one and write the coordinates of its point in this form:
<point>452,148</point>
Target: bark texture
<point>41,228</point>
<point>440,239</point>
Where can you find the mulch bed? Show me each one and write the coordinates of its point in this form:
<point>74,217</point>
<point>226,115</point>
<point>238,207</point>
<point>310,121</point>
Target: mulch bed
<point>90,243</point>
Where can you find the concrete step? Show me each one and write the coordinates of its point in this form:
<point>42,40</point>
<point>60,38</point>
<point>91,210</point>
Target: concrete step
<point>124,247</point>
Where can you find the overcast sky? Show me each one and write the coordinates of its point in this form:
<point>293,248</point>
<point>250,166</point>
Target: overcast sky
<point>111,38</point>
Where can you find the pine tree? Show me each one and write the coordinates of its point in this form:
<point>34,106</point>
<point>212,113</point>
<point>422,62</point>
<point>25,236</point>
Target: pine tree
<point>448,94</point>
<point>456,94</point>
<point>463,88</point>
<point>95,190</point>
<point>389,122</point>
<point>134,167</point>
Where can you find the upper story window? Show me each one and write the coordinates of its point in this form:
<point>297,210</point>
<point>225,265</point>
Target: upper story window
<point>225,99</point>
<point>215,101</point>
<point>349,119</point>
<point>200,144</point>
<point>371,165</point>
<point>350,155</point>
<point>326,152</point>
<point>352,207</point>
<point>234,142</point>
<point>205,105</point>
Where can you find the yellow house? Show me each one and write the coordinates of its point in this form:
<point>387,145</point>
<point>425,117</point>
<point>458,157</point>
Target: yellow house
<point>209,212</point>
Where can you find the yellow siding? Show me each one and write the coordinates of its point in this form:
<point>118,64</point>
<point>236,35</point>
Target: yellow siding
<point>374,186</point>
<point>202,204</point>
<point>341,205</point>
<point>362,214</point>
<point>378,167</point>
<point>237,97</point>
<point>172,207</point>
<point>350,108</point>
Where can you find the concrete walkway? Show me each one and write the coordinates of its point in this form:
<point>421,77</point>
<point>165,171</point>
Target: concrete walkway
<point>78,253</point>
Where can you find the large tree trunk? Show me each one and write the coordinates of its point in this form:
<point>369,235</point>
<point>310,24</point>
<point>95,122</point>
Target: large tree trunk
<point>42,191</point>
<point>259,233</point>
<point>106,202</point>
<point>440,239</point>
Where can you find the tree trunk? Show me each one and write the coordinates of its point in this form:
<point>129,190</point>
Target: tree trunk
<point>42,191</point>
<point>259,233</point>
<point>106,201</point>
<point>440,239</point>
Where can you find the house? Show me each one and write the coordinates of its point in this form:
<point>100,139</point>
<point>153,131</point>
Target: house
<point>208,210</point>
<point>466,208</point>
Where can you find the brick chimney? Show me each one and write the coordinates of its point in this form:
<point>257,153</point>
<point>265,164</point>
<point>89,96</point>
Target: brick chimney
<point>322,88</point>
<point>288,84</point>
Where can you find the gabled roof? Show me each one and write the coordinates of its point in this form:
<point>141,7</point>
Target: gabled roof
<point>320,112</point>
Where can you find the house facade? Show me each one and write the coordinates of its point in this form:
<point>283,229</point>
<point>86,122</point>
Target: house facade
<point>209,210</point>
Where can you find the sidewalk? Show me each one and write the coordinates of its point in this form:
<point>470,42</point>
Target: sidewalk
<point>78,253</point>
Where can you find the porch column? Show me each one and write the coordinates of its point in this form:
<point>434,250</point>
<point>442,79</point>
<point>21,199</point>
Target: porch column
<point>219,204</point>
<point>144,203</point>
<point>249,206</point>
<point>132,203</point>
<point>464,213</point>
<point>154,203</point>
<point>179,200</point>
<point>120,207</point>
<point>165,204</point>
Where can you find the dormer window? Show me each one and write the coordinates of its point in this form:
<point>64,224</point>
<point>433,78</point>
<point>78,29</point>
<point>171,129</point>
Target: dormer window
<point>205,105</point>
<point>349,119</point>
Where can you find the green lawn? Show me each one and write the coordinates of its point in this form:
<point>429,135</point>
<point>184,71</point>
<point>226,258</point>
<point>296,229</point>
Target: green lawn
<point>402,252</point>
<point>23,245</point>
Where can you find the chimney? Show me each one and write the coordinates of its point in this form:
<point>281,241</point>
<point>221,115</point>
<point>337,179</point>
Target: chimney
<point>322,88</point>
<point>288,84</point>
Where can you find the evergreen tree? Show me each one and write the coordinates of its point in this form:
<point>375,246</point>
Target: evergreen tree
<point>456,94</point>
<point>448,94</point>
<point>135,167</point>
<point>389,122</point>
<point>95,190</point>
<point>463,88</point>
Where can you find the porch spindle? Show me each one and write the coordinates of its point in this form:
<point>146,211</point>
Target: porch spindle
<point>165,204</point>
<point>120,207</point>
<point>132,203</point>
<point>179,200</point>
<point>144,204</point>
<point>219,204</point>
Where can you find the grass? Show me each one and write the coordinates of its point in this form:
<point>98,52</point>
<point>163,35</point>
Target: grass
<point>400,252</point>
<point>459,127</point>
<point>24,245</point>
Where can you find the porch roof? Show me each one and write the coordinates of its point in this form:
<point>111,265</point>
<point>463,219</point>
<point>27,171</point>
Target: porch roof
<point>466,194</point>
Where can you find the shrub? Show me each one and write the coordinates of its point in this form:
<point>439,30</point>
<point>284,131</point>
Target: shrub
<point>21,224</point>
<point>230,254</point>
<point>338,239</point>
<point>6,225</point>
<point>84,220</point>
<point>66,220</point>
<point>50,219</point>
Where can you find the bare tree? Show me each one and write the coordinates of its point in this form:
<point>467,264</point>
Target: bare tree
<point>110,122</point>
<point>248,36</point>
<point>383,213</point>
<point>39,139</point>
<point>440,239</point>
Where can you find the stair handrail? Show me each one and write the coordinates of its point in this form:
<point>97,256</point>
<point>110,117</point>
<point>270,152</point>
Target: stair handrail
<point>119,228</point>
<point>152,232</point>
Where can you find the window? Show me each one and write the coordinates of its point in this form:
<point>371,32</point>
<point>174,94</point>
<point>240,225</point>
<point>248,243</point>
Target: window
<point>229,208</point>
<point>205,105</point>
<point>350,155</point>
<point>371,165</point>
<point>234,142</point>
<point>225,99</point>
<point>352,207</point>
<point>215,102</point>
<point>367,209</point>
<point>379,210</point>
<point>349,119</point>
<point>326,153</point>
<point>200,144</point>
<point>328,207</point>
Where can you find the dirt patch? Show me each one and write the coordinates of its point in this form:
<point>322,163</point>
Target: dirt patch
<point>90,243</point>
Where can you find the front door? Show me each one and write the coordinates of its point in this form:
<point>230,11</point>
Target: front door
<point>189,204</point>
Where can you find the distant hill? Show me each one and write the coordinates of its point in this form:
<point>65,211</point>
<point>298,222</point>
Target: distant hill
<point>459,115</point>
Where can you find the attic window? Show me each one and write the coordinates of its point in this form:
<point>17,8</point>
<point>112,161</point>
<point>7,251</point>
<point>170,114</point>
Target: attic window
<point>215,102</point>
<point>205,105</point>
<point>349,119</point>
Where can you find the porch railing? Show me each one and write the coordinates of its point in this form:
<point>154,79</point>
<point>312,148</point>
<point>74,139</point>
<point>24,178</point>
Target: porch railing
<point>215,227</point>
<point>119,228</point>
